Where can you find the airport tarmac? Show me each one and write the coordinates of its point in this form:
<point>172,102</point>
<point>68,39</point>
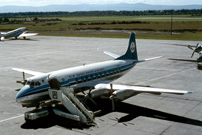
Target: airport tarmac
<point>144,114</point>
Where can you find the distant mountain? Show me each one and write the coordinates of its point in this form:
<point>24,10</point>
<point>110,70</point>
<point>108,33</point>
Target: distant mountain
<point>95,7</point>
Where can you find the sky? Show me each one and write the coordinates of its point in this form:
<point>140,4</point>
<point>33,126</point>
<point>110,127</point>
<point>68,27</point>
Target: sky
<point>74,2</point>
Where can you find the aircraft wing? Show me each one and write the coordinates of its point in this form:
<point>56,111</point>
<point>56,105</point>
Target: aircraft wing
<point>137,89</point>
<point>185,45</point>
<point>35,73</point>
<point>27,34</point>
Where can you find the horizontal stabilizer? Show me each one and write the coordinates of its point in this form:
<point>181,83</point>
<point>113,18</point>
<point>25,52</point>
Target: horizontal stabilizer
<point>138,61</point>
<point>111,54</point>
<point>28,34</point>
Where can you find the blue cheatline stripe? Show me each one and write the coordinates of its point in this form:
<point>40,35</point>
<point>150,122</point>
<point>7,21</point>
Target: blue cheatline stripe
<point>72,81</point>
<point>36,90</point>
<point>14,34</point>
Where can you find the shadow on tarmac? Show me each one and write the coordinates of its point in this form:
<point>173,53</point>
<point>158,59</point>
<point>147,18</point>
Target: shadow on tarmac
<point>183,60</point>
<point>27,39</point>
<point>132,111</point>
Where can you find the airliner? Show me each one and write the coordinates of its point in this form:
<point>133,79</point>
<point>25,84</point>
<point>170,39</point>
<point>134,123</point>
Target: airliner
<point>20,32</point>
<point>97,78</point>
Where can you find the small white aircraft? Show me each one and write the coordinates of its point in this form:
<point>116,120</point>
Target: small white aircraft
<point>96,78</point>
<point>20,32</point>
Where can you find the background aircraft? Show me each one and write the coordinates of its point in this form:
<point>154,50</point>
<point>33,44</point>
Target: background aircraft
<point>63,86</point>
<point>20,32</point>
<point>196,49</point>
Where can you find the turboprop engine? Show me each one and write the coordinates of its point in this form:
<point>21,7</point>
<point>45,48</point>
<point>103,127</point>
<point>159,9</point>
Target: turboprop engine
<point>99,92</point>
<point>122,94</point>
<point>2,38</point>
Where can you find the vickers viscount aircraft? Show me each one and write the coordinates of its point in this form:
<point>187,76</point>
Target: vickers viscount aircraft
<point>46,89</point>
<point>196,49</point>
<point>20,32</point>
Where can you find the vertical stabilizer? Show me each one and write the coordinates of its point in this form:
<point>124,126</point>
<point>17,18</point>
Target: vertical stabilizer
<point>131,52</point>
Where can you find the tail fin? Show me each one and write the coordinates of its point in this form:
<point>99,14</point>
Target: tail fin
<point>131,53</point>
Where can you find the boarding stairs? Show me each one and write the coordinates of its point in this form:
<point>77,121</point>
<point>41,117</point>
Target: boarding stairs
<point>66,95</point>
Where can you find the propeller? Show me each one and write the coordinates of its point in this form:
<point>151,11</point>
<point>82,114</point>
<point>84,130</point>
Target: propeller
<point>112,97</point>
<point>194,49</point>
<point>87,96</point>
<point>24,81</point>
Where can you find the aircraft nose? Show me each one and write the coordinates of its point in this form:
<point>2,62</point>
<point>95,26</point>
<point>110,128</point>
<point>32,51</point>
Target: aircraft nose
<point>20,97</point>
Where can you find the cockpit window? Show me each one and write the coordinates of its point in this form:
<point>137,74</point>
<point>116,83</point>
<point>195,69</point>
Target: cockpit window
<point>38,83</point>
<point>28,82</point>
<point>32,83</point>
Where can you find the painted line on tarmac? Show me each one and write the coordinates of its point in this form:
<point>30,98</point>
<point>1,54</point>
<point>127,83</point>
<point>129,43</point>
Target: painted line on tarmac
<point>11,118</point>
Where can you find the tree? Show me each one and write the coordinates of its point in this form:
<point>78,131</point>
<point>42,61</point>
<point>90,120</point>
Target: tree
<point>35,19</point>
<point>5,19</point>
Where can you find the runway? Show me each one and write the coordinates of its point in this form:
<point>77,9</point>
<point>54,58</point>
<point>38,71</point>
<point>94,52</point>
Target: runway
<point>144,114</point>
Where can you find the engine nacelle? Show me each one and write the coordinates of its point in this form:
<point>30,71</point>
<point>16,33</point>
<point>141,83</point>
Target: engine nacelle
<point>2,38</point>
<point>99,92</point>
<point>122,94</point>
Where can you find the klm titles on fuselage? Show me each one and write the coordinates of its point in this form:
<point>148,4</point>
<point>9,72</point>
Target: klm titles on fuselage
<point>86,73</point>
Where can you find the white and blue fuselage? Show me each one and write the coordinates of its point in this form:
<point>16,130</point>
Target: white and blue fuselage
<point>14,33</point>
<point>81,77</point>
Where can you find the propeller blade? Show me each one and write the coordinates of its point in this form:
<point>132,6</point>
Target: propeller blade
<point>113,106</point>
<point>197,45</point>
<point>92,101</point>
<point>192,53</point>
<point>88,96</point>
<point>23,82</point>
<point>17,90</point>
<point>111,88</point>
<point>23,75</point>
<point>190,47</point>
<point>112,97</point>
<point>18,81</point>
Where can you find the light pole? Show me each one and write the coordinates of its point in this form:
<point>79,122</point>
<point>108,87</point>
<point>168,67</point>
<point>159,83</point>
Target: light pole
<point>171,27</point>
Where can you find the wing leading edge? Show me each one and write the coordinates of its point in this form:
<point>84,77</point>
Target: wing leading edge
<point>138,89</point>
<point>34,73</point>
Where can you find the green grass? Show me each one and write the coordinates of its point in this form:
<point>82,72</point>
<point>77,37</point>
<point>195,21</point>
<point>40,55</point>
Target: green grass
<point>190,28</point>
<point>184,36</point>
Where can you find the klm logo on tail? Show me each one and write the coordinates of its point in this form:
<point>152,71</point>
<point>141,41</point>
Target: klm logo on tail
<point>132,47</point>
<point>131,53</point>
